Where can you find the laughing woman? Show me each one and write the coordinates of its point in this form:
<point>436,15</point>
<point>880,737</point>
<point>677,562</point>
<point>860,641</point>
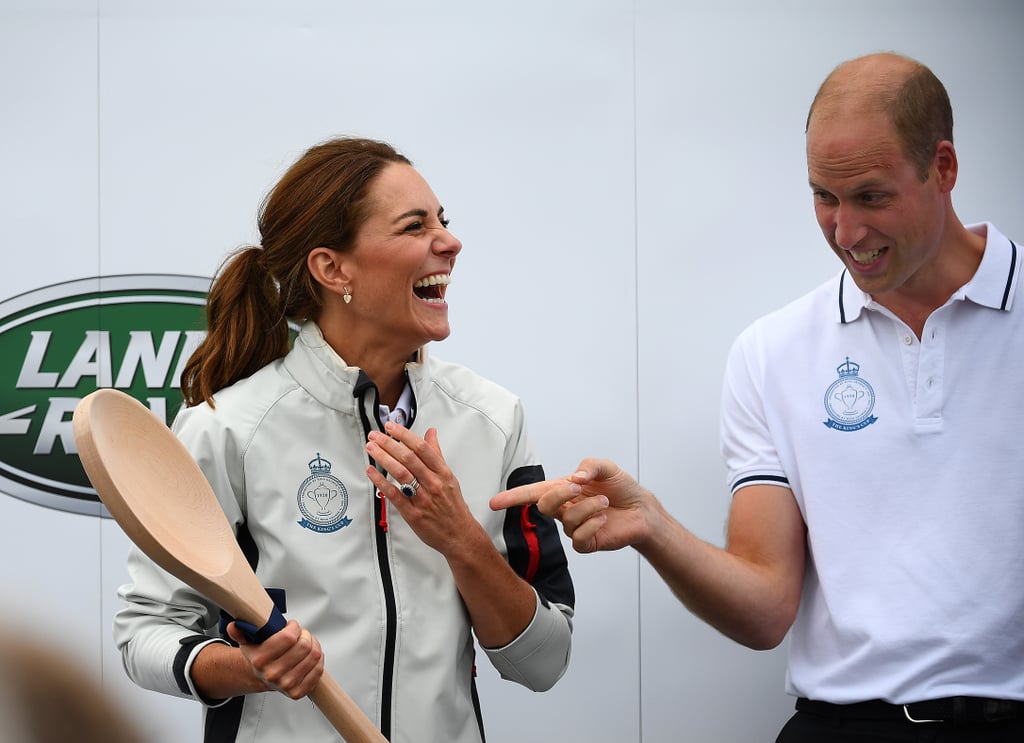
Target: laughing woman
<point>356,470</point>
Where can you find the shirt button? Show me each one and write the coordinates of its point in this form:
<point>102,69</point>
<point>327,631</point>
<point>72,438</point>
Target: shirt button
<point>908,340</point>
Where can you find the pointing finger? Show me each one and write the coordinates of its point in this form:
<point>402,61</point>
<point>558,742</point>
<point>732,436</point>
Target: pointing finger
<point>549,495</point>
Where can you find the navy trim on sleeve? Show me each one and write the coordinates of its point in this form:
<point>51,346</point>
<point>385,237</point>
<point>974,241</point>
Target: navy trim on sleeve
<point>181,660</point>
<point>535,547</point>
<point>765,479</point>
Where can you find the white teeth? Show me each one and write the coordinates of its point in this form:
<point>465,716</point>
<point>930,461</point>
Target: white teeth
<point>866,256</point>
<point>438,278</point>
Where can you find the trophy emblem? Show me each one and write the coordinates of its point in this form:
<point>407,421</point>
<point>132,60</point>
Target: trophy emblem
<point>322,499</point>
<point>850,400</point>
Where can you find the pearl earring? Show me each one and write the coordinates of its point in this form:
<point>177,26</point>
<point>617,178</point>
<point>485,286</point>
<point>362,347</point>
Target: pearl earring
<point>348,295</point>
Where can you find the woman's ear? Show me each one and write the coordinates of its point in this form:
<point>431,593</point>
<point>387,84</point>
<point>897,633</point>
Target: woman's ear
<point>328,269</point>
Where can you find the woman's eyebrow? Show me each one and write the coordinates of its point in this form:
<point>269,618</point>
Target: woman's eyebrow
<point>411,213</point>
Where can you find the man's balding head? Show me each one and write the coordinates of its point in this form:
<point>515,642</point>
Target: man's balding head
<point>905,91</point>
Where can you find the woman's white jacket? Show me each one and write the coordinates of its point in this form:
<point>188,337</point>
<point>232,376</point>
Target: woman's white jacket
<point>284,452</point>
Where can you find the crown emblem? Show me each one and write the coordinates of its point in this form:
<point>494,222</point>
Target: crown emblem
<point>319,466</point>
<point>846,369</point>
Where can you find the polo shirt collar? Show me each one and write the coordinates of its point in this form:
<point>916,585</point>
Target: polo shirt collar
<point>993,284</point>
<point>995,281</point>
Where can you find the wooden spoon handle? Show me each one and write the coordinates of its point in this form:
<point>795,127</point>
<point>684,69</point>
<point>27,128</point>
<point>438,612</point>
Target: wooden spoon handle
<point>343,713</point>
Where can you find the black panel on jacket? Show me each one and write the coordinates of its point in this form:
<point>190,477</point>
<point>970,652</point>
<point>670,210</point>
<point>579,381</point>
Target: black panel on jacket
<point>552,580</point>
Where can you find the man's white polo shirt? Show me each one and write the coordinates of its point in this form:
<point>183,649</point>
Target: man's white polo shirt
<point>906,458</point>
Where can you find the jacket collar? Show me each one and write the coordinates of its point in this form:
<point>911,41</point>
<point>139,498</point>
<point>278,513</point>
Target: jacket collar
<point>325,375</point>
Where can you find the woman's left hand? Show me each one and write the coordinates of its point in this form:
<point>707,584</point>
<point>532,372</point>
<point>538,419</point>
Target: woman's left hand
<point>436,511</point>
<point>500,603</point>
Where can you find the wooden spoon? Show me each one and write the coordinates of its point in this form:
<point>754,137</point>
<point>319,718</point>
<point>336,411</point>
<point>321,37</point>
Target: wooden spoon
<point>156,492</point>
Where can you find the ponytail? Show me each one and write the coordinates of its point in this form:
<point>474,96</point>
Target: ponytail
<point>246,324</point>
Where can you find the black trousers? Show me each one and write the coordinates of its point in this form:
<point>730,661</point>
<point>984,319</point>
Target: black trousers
<point>808,728</point>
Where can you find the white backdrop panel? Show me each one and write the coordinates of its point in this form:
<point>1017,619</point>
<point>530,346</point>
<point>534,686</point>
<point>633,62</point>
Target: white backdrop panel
<point>726,232</point>
<point>49,560</point>
<point>522,122</point>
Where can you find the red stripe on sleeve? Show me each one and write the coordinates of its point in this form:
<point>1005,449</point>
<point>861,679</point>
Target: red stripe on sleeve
<point>532,543</point>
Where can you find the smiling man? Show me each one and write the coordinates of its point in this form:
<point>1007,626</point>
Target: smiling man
<point>871,433</point>
<point>881,164</point>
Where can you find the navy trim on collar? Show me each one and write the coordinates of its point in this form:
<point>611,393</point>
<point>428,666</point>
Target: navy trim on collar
<point>842,307</point>
<point>1002,306</point>
<point>1009,276</point>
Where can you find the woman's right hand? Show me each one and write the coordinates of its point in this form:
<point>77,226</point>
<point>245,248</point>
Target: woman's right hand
<point>289,661</point>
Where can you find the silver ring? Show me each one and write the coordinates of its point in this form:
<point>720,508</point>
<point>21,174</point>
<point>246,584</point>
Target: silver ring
<point>409,489</point>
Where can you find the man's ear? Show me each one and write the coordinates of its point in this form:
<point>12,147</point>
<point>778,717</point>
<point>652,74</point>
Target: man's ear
<point>945,165</point>
<point>328,268</point>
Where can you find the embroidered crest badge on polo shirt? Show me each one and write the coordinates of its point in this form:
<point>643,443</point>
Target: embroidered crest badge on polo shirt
<point>323,499</point>
<point>849,401</point>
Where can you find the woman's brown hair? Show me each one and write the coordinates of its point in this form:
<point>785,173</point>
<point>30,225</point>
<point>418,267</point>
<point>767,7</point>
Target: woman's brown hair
<point>321,201</point>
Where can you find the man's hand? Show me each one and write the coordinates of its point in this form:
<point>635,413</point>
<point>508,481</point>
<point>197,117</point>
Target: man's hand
<point>601,507</point>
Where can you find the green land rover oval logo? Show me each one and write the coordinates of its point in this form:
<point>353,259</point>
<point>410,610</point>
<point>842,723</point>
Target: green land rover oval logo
<point>61,342</point>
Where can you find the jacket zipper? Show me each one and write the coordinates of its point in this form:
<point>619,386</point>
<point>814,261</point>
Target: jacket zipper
<point>371,422</point>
